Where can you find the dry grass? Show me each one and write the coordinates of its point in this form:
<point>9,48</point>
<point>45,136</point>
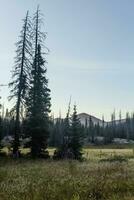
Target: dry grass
<point>69,180</point>
<point>97,154</point>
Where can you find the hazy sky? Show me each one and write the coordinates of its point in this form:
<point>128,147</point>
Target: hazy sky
<point>91,56</point>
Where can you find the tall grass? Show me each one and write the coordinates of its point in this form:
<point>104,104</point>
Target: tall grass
<point>65,180</point>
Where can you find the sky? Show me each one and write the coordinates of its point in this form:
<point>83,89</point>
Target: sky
<point>91,57</point>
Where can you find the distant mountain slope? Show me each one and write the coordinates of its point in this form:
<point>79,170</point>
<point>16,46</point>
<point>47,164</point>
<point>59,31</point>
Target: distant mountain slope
<point>84,118</point>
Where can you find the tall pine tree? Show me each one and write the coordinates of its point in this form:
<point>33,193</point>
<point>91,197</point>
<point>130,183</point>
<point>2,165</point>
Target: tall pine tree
<point>38,106</point>
<point>75,144</point>
<point>38,101</point>
<point>19,84</point>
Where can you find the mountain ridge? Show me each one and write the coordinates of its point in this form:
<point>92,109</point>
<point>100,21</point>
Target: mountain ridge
<point>84,118</point>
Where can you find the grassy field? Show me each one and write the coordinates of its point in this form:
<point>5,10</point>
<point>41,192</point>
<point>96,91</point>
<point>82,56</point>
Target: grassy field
<point>107,174</point>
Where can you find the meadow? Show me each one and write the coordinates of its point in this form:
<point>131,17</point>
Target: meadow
<point>106,174</point>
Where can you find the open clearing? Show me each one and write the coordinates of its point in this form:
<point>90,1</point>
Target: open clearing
<point>106,174</point>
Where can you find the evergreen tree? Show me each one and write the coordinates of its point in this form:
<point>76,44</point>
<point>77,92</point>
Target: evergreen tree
<point>132,126</point>
<point>0,105</point>
<point>38,101</point>
<point>0,132</point>
<point>119,128</point>
<point>103,126</point>
<point>38,36</point>
<point>6,123</point>
<point>128,124</point>
<point>75,144</point>
<point>98,129</point>
<point>0,126</point>
<point>112,128</point>
<point>85,128</point>
<point>63,151</point>
<point>91,130</point>
<point>107,136</point>
<point>38,104</point>
<point>56,133</point>
<point>66,130</point>
<point>19,85</point>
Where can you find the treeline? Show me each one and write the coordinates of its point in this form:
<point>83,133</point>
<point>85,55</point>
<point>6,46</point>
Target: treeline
<point>97,133</point>
<point>64,134</point>
<point>100,133</point>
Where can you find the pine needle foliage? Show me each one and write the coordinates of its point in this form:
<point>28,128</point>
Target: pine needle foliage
<point>76,136</point>
<point>39,106</point>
